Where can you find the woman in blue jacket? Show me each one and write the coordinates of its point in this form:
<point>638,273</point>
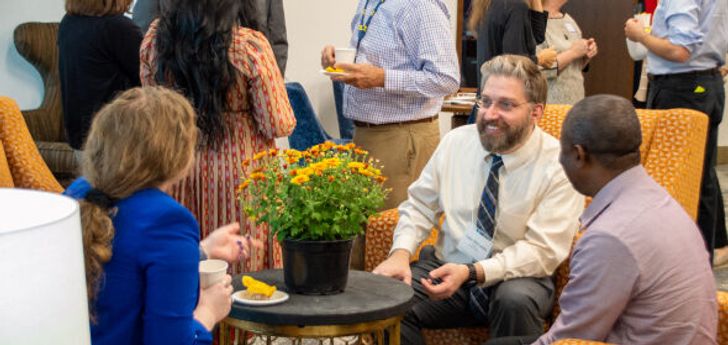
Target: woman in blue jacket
<point>141,246</point>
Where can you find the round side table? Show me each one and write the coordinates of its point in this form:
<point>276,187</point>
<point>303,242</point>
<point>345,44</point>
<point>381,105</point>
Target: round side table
<point>371,305</point>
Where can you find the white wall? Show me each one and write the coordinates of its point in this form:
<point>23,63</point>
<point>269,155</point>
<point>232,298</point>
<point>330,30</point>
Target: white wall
<point>311,24</point>
<point>19,79</point>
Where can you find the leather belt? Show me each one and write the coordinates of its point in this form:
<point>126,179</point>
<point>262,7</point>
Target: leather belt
<point>366,124</point>
<point>710,71</point>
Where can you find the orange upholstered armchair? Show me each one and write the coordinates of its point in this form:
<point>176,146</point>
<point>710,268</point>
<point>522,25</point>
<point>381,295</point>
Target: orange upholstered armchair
<point>673,144</point>
<point>21,165</point>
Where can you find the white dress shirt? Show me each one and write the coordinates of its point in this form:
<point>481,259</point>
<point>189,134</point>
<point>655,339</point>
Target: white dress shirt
<point>536,216</point>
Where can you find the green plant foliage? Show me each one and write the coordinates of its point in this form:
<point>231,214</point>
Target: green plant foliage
<point>324,193</point>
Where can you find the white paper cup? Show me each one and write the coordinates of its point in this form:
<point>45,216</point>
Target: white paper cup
<point>345,55</point>
<point>212,272</point>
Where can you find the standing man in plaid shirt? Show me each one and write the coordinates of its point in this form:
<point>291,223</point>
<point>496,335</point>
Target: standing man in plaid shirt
<point>406,63</point>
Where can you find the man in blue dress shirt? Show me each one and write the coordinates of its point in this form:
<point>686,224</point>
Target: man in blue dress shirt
<point>687,45</point>
<point>405,64</point>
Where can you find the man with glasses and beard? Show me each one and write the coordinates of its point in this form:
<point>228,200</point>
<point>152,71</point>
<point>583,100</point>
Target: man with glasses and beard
<point>510,215</point>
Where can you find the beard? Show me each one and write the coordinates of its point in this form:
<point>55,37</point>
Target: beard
<point>508,138</point>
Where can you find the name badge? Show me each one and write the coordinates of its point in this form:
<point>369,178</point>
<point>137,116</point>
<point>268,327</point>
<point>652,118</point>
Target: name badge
<point>476,244</point>
<point>570,27</point>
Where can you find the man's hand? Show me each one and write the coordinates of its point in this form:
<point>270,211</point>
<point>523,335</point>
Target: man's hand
<point>328,57</point>
<point>452,276</point>
<point>546,57</point>
<point>634,30</point>
<point>225,243</point>
<point>363,76</point>
<point>396,266</point>
<point>724,70</point>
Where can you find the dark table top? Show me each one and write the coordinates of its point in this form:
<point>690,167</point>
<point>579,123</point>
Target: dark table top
<point>368,297</point>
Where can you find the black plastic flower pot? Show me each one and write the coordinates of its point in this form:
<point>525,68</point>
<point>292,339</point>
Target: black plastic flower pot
<point>316,267</point>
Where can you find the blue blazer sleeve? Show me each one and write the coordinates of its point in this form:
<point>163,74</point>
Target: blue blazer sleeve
<point>171,260</point>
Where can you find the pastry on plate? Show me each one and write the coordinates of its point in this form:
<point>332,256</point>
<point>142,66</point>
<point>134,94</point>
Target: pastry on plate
<point>256,289</point>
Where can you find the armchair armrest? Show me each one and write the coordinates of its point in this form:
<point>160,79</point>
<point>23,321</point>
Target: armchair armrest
<point>722,297</point>
<point>379,232</point>
<point>379,237</point>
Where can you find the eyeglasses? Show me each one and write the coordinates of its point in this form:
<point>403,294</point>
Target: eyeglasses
<point>502,105</point>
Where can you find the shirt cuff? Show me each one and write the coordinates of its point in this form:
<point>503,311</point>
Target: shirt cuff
<point>395,80</point>
<point>202,335</point>
<point>406,242</point>
<point>685,40</point>
<point>494,271</point>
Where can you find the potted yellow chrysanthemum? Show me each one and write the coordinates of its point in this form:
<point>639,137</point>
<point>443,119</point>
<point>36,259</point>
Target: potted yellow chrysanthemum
<point>315,202</point>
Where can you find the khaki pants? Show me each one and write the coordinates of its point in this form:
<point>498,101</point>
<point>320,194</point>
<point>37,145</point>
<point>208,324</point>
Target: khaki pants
<point>402,149</point>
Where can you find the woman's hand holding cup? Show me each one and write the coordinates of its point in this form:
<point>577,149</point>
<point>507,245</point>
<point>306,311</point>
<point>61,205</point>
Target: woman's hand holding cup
<point>215,303</point>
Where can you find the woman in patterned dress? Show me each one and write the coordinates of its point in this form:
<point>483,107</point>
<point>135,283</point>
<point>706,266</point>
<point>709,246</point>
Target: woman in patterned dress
<point>205,50</point>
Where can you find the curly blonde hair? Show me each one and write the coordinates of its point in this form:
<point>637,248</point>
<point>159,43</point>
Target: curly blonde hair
<point>142,139</point>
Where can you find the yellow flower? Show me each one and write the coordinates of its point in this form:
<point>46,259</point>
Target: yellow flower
<point>314,150</point>
<point>360,151</point>
<point>257,176</point>
<point>331,162</point>
<point>328,145</point>
<point>293,156</point>
<point>292,153</point>
<point>260,155</point>
<point>307,171</point>
<point>300,179</point>
<point>319,166</point>
<point>366,172</point>
<point>355,165</point>
<point>243,185</point>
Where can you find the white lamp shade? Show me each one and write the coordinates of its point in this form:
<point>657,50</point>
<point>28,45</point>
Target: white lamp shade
<point>42,280</point>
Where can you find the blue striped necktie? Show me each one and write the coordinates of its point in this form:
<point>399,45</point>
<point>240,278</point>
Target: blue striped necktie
<point>479,297</point>
<point>489,199</point>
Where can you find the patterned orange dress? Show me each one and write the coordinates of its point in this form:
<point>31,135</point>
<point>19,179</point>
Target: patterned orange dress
<point>259,112</point>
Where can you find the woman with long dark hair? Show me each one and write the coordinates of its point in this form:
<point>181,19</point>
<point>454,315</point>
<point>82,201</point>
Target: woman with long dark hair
<point>203,49</point>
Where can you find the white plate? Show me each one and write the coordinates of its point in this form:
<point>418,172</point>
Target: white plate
<point>332,74</point>
<point>277,297</point>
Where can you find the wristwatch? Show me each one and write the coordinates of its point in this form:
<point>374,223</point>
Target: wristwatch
<point>472,273</point>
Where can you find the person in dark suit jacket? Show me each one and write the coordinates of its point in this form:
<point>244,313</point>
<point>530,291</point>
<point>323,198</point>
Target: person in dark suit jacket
<point>270,20</point>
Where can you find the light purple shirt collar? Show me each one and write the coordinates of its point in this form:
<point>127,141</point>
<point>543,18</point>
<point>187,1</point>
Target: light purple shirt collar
<point>610,192</point>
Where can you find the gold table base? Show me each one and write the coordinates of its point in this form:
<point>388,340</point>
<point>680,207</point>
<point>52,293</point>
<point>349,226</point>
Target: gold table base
<point>373,332</point>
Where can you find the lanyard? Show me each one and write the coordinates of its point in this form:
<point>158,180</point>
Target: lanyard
<point>362,27</point>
